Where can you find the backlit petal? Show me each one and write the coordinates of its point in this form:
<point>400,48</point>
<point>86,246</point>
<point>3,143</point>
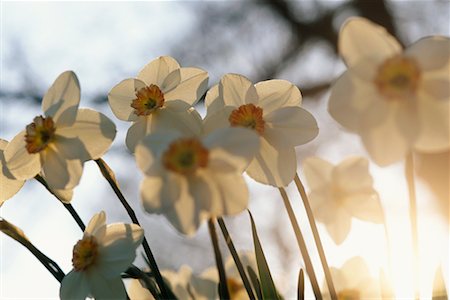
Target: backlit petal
<point>192,86</point>
<point>62,99</point>
<point>20,163</point>
<point>121,96</point>
<point>213,101</point>
<point>9,186</point>
<point>359,38</point>
<point>237,90</point>
<point>432,53</point>
<point>60,172</point>
<point>106,289</point>
<point>274,94</point>
<point>74,286</point>
<point>94,130</point>
<point>156,71</point>
<point>317,172</point>
<point>96,222</point>
<point>233,194</point>
<point>339,227</point>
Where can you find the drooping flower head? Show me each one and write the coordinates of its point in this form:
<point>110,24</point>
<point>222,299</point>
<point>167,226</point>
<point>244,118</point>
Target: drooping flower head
<point>161,96</point>
<point>396,99</point>
<point>338,193</point>
<point>272,110</point>
<point>57,143</point>
<point>9,186</point>
<point>104,252</point>
<point>191,178</point>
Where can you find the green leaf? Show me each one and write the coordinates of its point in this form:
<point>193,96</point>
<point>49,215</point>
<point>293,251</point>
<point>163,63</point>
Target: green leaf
<point>301,286</point>
<point>255,282</point>
<point>268,288</point>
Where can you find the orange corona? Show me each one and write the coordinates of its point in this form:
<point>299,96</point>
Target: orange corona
<point>148,99</point>
<point>85,253</point>
<point>185,156</point>
<point>39,134</point>
<point>248,116</point>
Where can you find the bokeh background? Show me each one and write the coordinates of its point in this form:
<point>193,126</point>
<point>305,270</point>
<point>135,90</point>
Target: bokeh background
<point>105,42</point>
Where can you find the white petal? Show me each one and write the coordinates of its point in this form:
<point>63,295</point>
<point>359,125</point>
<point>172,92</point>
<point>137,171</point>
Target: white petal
<point>355,265</point>
<point>20,163</point>
<point>290,125</point>
<point>213,101</point>
<point>156,71</point>
<point>385,142</point>
<point>350,96</point>
<point>352,174</point>
<point>434,126</point>
<point>274,94</point>
<point>64,195</point>
<point>9,186</point>
<point>62,99</point>
<point>273,165</point>
<point>364,205</point>
<point>437,88</point>
<point>59,172</point>
<point>237,90</point>
<point>149,151</point>
<point>240,144</point>
<point>317,172</point>
<point>432,53</point>
<point>137,291</point>
<point>324,205</point>
<point>74,286</point>
<point>204,192</point>
<point>170,82</point>
<point>137,132</point>
<point>192,86</point>
<point>233,198</point>
<point>97,222</point>
<point>106,289</point>
<point>339,228</point>
<point>359,38</point>
<point>121,96</point>
<point>94,130</point>
<point>217,119</point>
<point>119,248</point>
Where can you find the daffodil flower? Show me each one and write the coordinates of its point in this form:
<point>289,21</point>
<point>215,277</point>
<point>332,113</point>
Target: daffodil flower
<point>57,143</point>
<point>396,99</point>
<point>9,186</point>
<point>353,281</point>
<point>189,179</point>
<point>161,96</point>
<point>338,193</point>
<point>270,108</point>
<point>99,258</point>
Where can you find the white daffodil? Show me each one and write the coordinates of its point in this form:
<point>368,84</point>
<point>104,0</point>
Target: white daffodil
<point>396,100</point>
<point>9,186</point>
<point>338,193</point>
<point>189,179</point>
<point>160,97</point>
<point>353,281</point>
<point>183,283</point>
<point>98,259</point>
<point>59,142</point>
<point>270,108</point>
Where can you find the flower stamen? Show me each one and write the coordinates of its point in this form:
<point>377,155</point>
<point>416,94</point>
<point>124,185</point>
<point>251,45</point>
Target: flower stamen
<point>85,253</point>
<point>148,99</point>
<point>398,77</point>
<point>39,134</point>
<point>248,116</point>
<point>185,156</point>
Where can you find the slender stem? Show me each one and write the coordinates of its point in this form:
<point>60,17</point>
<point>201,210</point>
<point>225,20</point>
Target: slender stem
<point>219,263</point>
<point>67,206</point>
<point>409,174</point>
<point>109,176</point>
<point>49,264</point>
<point>315,232</point>
<point>235,255</point>
<point>301,244</point>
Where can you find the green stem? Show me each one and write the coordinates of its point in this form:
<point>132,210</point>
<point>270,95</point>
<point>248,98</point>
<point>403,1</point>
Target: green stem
<point>409,174</point>
<point>67,206</point>
<point>235,255</point>
<point>301,244</point>
<point>223,287</point>
<point>110,177</point>
<point>315,232</point>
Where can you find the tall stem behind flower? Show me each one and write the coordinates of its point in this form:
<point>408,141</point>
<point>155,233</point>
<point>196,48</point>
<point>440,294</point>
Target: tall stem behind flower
<point>110,177</point>
<point>409,174</point>
<point>301,244</point>
<point>312,223</point>
<point>223,287</point>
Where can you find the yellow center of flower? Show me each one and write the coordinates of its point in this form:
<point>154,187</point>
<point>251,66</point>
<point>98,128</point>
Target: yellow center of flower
<point>249,116</point>
<point>185,156</point>
<point>236,289</point>
<point>85,253</point>
<point>349,294</point>
<point>148,99</point>
<point>398,77</point>
<point>39,134</point>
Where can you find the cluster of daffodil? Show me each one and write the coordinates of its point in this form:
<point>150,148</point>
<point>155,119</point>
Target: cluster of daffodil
<point>396,100</point>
